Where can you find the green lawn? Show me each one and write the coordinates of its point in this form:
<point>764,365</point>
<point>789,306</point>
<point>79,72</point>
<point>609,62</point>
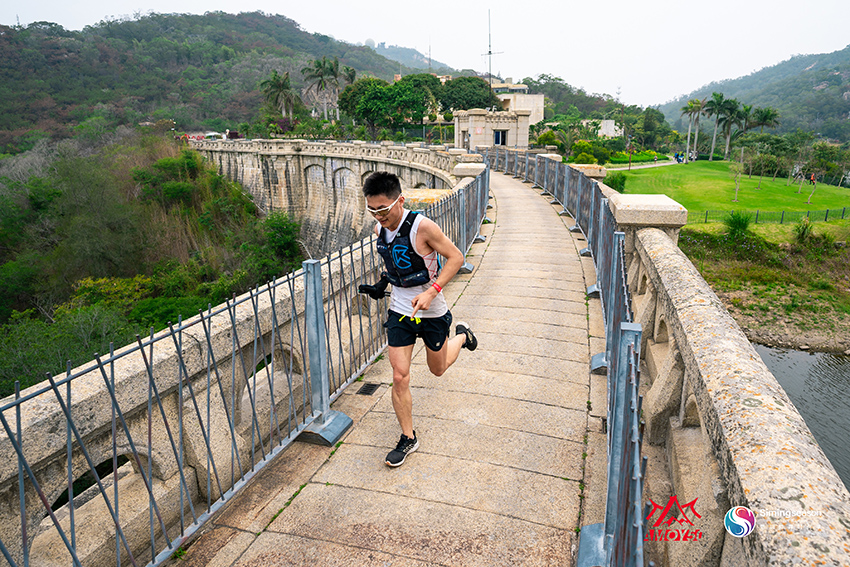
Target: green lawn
<point>704,185</point>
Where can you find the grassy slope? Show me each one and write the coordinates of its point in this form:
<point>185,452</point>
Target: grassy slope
<point>704,185</point>
<point>779,291</point>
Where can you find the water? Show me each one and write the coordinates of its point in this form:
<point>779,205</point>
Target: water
<point>819,385</point>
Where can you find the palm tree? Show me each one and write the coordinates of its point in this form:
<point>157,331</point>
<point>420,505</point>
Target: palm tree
<point>349,74</point>
<point>689,110</point>
<point>730,117</point>
<point>317,75</point>
<point>334,75</point>
<point>766,116</point>
<point>714,107</point>
<point>693,109</point>
<point>278,91</point>
<point>745,117</point>
<point>699,107</point>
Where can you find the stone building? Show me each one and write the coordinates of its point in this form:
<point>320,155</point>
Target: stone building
<point>482,127</point>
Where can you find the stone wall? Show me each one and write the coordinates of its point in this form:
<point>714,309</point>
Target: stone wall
<point>318,183</point>
<point>719,427</point>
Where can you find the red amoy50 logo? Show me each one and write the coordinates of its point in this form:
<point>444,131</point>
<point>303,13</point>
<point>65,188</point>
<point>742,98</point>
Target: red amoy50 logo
<point>673,512</point>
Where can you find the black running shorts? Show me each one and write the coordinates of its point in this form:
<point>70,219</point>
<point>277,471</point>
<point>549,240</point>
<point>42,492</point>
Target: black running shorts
<point>403,330</point>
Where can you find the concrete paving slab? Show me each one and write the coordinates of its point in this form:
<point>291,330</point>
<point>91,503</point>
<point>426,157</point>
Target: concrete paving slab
<point>572,314</point>
<point>517,344</point>
<point>219,546</point>
<point>541,330</point>
<point>595,479</point>
<point>494,292</point>
<point>479,443</point>
<point>551,273</point>
<point>474,409</point>
<point>295,551</point>
<point>598,396</point>
<point>533,497</point>
<point>548,390</point>
<point>425,531</point>
<point>268,492</point>
<point>511,363</point>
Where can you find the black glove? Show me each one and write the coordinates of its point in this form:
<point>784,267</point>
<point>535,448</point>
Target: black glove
<point>377,291</point>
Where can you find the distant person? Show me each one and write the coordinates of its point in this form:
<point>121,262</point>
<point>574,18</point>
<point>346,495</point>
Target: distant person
<point>411,245</point>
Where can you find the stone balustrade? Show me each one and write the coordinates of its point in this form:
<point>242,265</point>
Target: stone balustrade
<point>719,427</point>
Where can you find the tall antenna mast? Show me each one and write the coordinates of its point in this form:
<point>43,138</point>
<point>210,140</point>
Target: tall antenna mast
<point>490,53</point>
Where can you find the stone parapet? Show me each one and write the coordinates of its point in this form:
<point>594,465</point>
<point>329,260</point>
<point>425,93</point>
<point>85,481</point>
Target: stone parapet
<point>634,212</point>
<point>711,390</point>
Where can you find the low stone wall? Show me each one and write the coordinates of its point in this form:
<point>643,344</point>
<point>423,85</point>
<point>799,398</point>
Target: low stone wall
<point>719,428</point>
<point>319,183</point>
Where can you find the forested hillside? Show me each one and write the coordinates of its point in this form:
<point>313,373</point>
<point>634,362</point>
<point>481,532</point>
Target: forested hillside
<point>201,71</point>
<point>810,92</point>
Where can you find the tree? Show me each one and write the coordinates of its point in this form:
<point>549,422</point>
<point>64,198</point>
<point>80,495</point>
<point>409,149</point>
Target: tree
<point>464,93</point>
<point>351,95</point>
<point>318,75</point>
<point>766,116</point>
<point>730,117</point>
<point>714,107</point>
<point>349,74</point>
<point>690,110</point>
<point>279,93</point>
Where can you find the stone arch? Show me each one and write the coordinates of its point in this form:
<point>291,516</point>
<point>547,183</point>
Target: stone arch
<point>320,207</point>
<point>255,396</point>
<point>350,215</point>
<point>643,283</point>
<point>661,332</point>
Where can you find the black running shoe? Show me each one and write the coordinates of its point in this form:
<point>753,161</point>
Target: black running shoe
<point>471,342</point>
<point>405,446</point>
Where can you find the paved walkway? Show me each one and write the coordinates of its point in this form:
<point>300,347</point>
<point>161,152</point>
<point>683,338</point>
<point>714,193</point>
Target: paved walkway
<point>510,438</point>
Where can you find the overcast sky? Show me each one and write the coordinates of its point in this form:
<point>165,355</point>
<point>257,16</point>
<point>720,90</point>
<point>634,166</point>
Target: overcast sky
<point>650,52</point>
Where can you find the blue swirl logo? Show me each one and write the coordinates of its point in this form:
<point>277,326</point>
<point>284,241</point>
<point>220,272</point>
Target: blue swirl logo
<point>740,521</point>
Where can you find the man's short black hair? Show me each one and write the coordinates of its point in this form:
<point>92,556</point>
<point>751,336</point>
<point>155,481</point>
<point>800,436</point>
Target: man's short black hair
<point>382,183</point>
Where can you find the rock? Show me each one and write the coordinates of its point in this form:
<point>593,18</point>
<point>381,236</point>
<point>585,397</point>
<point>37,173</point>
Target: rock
<point>804,347</point>
<point>847,352</point>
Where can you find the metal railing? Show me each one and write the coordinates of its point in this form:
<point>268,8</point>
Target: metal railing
<point>187,416</point>
<point>619,540</point>
<point>765,217</point>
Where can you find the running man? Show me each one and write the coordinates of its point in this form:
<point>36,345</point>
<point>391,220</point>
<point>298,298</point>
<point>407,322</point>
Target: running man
<point>410,245</point>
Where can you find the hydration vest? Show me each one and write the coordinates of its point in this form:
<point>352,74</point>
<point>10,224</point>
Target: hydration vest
<point>405,268</point>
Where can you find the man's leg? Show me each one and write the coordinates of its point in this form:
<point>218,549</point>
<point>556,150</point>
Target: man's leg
<point>402,400</point>
<point>440,361</point>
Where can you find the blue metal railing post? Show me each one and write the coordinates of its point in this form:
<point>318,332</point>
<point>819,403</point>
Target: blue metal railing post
<point>464,243</point>
<point>328,425</point>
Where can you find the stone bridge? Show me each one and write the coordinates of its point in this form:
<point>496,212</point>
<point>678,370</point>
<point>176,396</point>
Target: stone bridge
<point>318,183</point>
<point>513,460</point>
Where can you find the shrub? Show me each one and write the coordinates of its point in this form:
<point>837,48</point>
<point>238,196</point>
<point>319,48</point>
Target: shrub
<point>432,117</point>
<point>616,180</point>
<point>601,154</point>
<point>804,230</point>
<point>584,158</point>
<point>448,116</point>
<point>582,147</point>
<point>737,224</point>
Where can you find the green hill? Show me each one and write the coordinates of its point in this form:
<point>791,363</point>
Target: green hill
<point>201,71</point>
<point>811,92</point>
